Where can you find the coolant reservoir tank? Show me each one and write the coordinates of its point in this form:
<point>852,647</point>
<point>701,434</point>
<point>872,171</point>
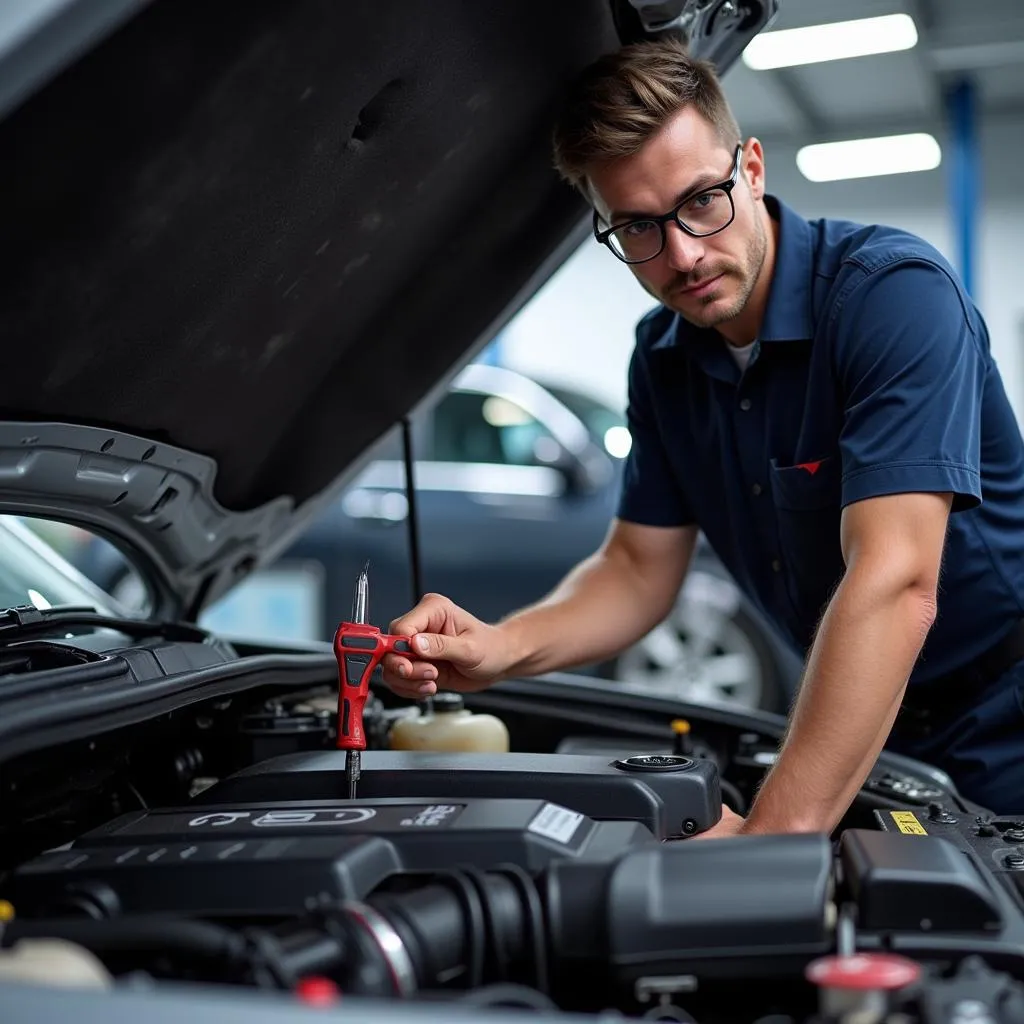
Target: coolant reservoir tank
<point>448,725</point>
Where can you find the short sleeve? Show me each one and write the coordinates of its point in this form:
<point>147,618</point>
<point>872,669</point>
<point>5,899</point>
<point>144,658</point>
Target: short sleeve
<point>651,494</point>
<point>911,375</point>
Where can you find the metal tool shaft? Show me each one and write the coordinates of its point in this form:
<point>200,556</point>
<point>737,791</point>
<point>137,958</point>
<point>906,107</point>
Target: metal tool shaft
<point>360,614</point>
<point>353,765</point>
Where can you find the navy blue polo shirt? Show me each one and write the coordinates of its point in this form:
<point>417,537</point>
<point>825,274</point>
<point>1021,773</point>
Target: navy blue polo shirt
<point>872,375</point>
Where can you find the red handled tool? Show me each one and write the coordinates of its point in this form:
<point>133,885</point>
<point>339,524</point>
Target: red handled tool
<point>358,647</point>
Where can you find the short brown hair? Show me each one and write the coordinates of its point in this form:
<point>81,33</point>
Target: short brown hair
<point>625,97</point>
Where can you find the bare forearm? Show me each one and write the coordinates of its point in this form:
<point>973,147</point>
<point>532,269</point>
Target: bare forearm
<point>858,778</point>
<point>856,674</point>
<point>605,604</point>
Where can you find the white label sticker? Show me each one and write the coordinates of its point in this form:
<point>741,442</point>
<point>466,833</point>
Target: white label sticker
<point>556,823</point>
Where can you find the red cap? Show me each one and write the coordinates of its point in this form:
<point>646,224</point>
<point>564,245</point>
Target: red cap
<point>863,971</point>
<point>318,991</point>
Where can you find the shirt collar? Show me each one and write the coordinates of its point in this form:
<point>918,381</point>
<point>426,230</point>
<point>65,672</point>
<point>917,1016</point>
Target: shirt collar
<point>788,313</point>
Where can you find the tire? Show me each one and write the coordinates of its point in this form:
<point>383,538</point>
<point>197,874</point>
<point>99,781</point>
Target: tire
<point>709,650</point>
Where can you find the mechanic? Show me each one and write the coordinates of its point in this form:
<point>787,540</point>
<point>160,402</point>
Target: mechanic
<point>819,398</point>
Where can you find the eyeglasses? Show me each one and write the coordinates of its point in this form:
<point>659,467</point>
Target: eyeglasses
<point>705,213</point>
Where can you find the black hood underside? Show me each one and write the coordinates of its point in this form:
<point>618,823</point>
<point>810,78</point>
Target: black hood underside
<point>243,239</point>
<point>263,230</point>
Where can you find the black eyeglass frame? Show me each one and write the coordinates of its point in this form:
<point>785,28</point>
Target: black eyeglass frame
<point>673,215</point>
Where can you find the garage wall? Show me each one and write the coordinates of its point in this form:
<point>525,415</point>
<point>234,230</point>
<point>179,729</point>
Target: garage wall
<point>579,327</point>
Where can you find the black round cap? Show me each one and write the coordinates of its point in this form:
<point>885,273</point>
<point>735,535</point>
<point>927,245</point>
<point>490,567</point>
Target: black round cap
<point>447,700</point>
<point>654,763</point>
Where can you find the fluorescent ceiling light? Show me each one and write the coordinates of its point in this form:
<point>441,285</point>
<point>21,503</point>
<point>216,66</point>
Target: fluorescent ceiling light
<point>865,158</point>
<point>835,41</point>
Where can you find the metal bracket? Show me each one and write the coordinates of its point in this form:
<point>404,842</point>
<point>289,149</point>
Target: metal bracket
<point>675,16</point>
<point>714,30</point>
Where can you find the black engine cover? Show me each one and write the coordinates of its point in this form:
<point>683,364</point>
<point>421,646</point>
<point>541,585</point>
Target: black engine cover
<point>670,795</point>
<point>274,858</point>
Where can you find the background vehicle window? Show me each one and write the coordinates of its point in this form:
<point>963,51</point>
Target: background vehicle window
<point>472,427</point>
<point>602,420</point>
<point>46,563</point>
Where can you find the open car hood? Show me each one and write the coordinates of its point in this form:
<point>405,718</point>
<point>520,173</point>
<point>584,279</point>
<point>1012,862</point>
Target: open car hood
<point>241,244</point>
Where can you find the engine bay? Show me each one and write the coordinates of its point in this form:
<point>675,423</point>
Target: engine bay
<point>217,846</point>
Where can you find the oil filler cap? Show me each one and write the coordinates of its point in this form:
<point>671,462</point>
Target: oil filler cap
<point>654,763</point>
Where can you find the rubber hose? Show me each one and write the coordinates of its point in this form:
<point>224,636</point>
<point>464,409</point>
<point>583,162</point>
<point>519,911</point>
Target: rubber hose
<point>444,940</point>
<point>140,934</point>
<point>735,801</point>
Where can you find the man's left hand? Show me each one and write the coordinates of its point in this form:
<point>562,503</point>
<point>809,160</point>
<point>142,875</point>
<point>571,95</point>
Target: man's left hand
<point>731,824</point>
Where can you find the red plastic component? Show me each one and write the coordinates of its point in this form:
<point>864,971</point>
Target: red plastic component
<point>352,692</point>
<point>318,991</point>
<point>862,971</point>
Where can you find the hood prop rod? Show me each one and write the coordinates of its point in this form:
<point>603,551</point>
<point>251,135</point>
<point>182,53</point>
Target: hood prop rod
<point>412,518</point>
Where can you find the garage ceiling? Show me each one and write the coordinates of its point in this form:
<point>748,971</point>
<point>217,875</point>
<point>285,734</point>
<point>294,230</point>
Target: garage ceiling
<point>888,92</point>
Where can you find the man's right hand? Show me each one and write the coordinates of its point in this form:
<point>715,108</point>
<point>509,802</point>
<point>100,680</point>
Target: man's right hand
<point>453,651</point>
<point>603,605</point>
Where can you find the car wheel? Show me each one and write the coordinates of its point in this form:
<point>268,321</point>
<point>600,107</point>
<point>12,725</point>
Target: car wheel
<point>709,650</point>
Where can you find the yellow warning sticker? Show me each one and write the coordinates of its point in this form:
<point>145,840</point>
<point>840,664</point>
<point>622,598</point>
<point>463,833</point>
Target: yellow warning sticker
<point>906,821</point>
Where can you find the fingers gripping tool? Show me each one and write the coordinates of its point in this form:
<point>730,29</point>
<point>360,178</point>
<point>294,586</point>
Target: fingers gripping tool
<point>359,647</point>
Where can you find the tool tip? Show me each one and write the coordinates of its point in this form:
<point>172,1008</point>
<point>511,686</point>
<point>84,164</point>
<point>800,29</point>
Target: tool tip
<point>360,603</point>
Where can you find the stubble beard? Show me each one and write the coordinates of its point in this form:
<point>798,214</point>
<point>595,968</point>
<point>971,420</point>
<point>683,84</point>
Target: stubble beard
<point>745,273</point>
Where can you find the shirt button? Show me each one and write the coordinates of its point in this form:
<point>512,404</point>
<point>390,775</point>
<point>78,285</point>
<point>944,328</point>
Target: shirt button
<point>755,490</point>
<point>776,565</point>
<point>745,404</point>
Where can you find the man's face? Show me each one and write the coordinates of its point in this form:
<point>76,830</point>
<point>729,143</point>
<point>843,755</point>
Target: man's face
<point>706,280</point>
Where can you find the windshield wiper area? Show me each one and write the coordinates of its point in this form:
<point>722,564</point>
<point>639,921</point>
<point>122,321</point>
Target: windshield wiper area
<point>27,620</point>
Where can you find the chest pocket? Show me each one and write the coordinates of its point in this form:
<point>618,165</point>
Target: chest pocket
<point>807,508</point>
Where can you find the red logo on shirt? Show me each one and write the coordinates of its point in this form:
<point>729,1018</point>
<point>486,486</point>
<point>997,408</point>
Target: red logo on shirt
<point>811,467</point>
